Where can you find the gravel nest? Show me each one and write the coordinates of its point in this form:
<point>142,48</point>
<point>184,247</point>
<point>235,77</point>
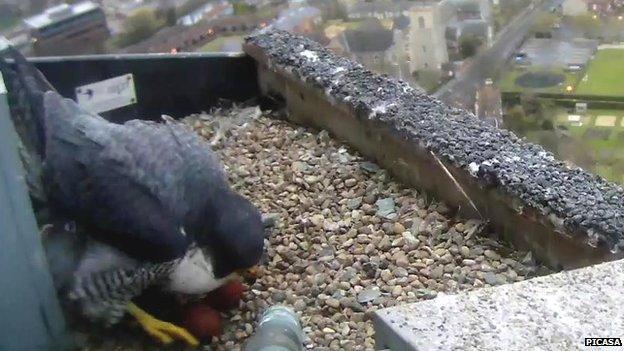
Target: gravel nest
<point>346,239</point>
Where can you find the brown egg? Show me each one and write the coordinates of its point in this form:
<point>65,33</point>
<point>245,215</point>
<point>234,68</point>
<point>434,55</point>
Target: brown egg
<point>202,321</point>
<point>226,297</point>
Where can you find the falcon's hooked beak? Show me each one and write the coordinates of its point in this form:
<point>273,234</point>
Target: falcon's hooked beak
<point>250,274</point>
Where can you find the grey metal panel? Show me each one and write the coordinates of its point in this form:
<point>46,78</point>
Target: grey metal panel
<point>30,316</point>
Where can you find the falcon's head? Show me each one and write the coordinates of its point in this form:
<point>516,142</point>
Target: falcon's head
<point>232,234</point>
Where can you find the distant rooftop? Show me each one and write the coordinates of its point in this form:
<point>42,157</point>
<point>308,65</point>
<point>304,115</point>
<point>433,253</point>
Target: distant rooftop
<point>476,27</point>
<point>290,18</point>
<point>59,13</point>
<point>401,23</point>
<point>387,8</point>
<point>371,36</point>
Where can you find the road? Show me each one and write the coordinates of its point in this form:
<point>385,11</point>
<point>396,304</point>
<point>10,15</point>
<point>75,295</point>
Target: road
<point>460,91</point>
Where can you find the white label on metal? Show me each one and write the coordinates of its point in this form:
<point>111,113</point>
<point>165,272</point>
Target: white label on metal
<point>107,95</point>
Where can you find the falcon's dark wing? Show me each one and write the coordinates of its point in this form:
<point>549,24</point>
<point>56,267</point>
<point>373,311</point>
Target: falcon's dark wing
<point>94,176</point>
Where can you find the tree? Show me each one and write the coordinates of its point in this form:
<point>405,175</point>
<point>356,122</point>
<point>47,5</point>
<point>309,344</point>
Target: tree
<point>428,79</point>
<point>510,9</point>
<point>241,8</point>
<point>514,119</point>
<point>330,9</point>
<point>189,6</point>
<point>530,103</point>
<point>544,22</point>
<point>168,15</point>
<point>590,26</point>
<point>613,29</point>
<point>539,113</point>
<point>578,152</point>
<point>548,139</point>
<point>141,25</point>
<point>468,45</point>
<point>547,124</point>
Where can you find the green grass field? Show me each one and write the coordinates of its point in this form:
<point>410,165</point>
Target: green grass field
<point>604,143</point>
<point>601,135</point>
<point>508,81</point>
<point>605,74</point>
<point>585,134</point>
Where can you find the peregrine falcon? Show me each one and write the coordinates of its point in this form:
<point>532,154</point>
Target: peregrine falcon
<point>152,197</point>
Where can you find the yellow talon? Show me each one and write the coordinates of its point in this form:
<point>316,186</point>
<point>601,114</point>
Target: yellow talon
<point>164,332</point>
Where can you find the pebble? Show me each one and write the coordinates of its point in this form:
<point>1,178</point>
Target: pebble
<point>384,243</point>
<point>331,302</point>
<point>327,330</point>
<point>468,262</point>
<point>437,272</point>
<point>401,259</point>
<point>491,255</point>
<point>270,219</point>
<point>400,272</point>
<point>494,279</point>
<point>354,203</point>
<point>385,208</point>
<point>368,295</point>
<point>369,167</point>
<point>299,305</point>
<point>279,296</point>
<point>464,251</point>
<point>410,240</point>
<point>398,228</point>
<point>352,303</point>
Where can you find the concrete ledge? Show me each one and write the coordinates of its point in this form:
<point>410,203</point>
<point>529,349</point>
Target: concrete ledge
<point>554,312</point>
<point>567,217</point>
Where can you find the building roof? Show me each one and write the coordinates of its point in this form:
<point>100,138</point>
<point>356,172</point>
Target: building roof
<point>59,13</point>
<point>478,28</point>
<point>401,23</point>
<point>489,102</point>
<point>389,8</point>
<point>180,36</point>
<point>383,6</point>
<point>468,6</point>
<point>290,18</point>
<point>369,37</point>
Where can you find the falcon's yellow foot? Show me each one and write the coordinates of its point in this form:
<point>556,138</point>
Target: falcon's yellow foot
<point>164,332</point>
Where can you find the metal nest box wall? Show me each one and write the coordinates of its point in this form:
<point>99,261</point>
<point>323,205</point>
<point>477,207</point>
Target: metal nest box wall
<point>32,316</point>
